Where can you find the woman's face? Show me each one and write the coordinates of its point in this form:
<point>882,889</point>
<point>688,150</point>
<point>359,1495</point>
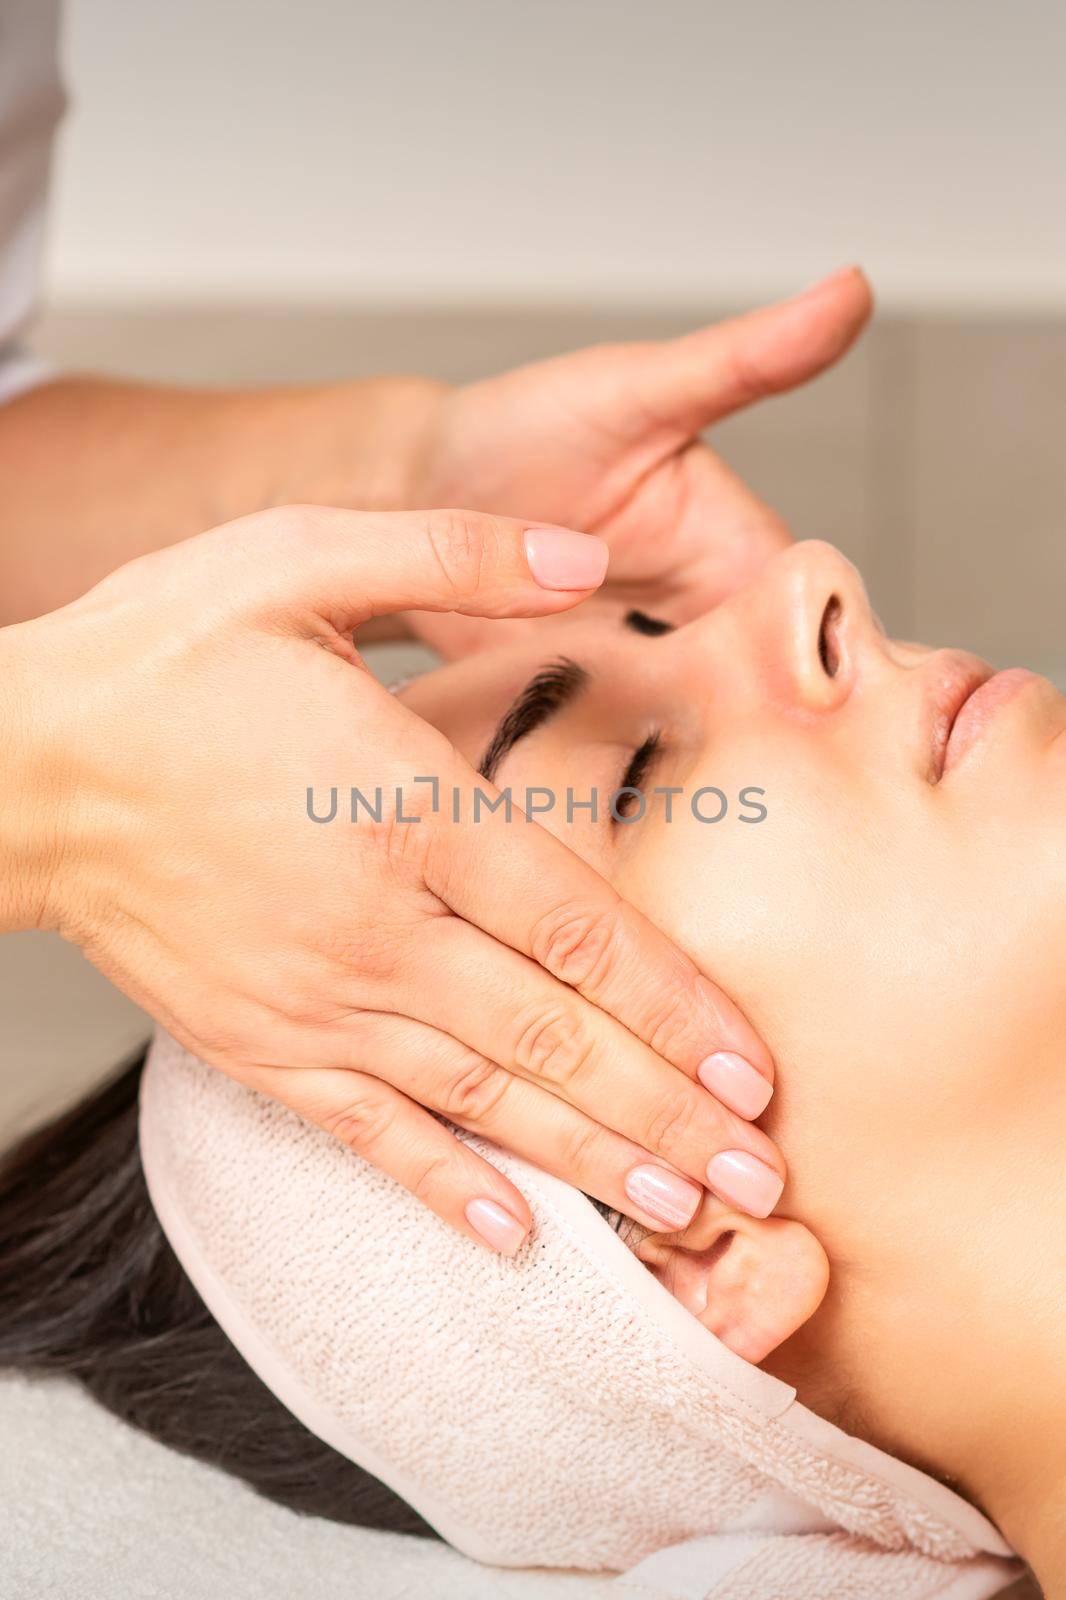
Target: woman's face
<point>895,924</point>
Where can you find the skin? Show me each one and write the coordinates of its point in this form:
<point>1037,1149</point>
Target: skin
<point>138,720</point>
<point>899,938</point>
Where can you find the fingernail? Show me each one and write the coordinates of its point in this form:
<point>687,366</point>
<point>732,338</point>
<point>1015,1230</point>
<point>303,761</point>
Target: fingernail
<point>560,559</point>
<point>496,1225</point>
<point>666,1195</point>
<point>742,1180</point>
<point>736,1083</point>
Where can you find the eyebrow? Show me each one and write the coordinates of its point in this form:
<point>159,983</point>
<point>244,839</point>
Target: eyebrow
<point>551,689</point>
<point>557,685</point>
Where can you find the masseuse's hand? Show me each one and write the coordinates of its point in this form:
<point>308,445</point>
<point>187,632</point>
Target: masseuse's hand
<point>607,440</point>
<point>169,726</point>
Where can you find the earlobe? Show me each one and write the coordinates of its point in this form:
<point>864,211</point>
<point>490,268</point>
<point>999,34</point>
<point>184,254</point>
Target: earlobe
<point>751,1282</point>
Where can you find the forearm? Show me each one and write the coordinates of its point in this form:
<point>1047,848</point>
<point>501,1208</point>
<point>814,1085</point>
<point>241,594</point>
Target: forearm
<point>95,472</point>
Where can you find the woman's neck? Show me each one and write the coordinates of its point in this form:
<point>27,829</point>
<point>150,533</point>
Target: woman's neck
<point>946,1322</point>
<point>1020,1476</point>
<point>984,1390</point>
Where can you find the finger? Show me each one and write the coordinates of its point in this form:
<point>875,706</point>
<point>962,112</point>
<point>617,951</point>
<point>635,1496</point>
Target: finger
<point>689,383</point>
<point>546,902</point>
<point>477,1094</point>
<point>345,568</point>
<point>510,1011</point>
<point>401,1139</point>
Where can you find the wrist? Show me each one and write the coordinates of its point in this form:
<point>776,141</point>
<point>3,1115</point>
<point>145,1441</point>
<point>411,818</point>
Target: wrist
<point>361,445</point>
<point>30,809</point>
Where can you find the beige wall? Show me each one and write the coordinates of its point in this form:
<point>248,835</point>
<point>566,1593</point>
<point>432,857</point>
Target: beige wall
<point>591,151</point>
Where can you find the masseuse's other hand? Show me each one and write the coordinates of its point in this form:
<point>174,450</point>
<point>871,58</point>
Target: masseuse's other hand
<point>362,972</point>
<point>607,440</point>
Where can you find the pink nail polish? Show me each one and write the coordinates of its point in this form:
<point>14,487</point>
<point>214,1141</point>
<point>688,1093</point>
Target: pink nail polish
<point>742,1180</point>
<point>736,1083</point>
<point>665,1195</point>
<point>560,559</point>
<point>496,1225</point>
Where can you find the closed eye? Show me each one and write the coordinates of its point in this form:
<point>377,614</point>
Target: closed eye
<point>636,773</point>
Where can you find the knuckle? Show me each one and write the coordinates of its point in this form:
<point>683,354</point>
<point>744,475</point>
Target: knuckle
<point>474,1090</point>
<point>670,1127</point>
<point>362,1123</point>
<point>579,1153</point>
<point>459,547</point>
<point>553,1047</point>
<point>577,945</point>
<point>668,1024</point>
<point>299,1003</point>
<point>429,1176</point>
<point>749,377</point>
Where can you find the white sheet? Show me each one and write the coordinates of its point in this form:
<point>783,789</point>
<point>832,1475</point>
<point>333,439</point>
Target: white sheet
<point>90,1509</point>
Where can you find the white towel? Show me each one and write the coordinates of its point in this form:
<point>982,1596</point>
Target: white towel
<point>559,1409</point>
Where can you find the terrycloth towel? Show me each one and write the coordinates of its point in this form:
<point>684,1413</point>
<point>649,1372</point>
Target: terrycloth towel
<point>561,1409</point>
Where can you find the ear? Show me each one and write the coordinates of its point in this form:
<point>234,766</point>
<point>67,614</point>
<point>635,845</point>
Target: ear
<point>752,1282</point>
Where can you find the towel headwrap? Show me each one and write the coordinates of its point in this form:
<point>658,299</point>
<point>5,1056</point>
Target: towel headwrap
<point>558,1409</point>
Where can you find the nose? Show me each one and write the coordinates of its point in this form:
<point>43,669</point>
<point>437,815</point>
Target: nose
<point>804,630</point>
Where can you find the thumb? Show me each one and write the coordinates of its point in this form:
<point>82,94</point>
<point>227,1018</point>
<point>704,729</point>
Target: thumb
<point>349,566</point>
<point>689,383</point>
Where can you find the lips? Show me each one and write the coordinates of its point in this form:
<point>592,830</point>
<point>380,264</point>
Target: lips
<point>958,677</point>
<point>978,710</point>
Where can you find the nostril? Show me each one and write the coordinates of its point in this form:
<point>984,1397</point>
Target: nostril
<point>828,650</point>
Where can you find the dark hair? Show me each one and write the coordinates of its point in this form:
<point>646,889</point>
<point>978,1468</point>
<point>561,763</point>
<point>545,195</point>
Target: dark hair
<point>90,1289</point>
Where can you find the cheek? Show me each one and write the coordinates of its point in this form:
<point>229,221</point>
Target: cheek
<point>898,957</point>
<point>786,914</point>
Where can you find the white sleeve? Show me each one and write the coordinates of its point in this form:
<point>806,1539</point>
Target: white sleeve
<point>31,105</point>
